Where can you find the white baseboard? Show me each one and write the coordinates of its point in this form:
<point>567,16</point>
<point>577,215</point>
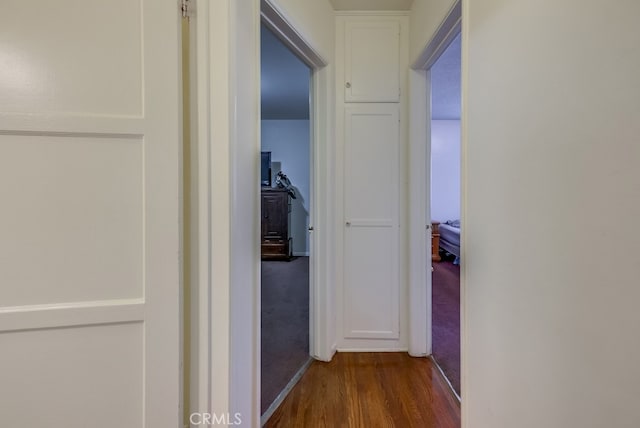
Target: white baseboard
<point>444,376</point>
<point>283,394</point>
<point>301,253</point>
<point>373,350</point>
<point>334,349</point>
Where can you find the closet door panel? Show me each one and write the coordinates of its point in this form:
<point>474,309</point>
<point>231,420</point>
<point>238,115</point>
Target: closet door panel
<point>371,229</point>
<point>372,61</point>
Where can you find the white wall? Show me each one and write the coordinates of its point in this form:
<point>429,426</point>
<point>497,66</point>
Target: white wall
<point>288,142</point>
<point>445,170</point>
<point>552,110</point>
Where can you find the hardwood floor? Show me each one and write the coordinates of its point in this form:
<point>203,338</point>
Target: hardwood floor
<point>370,390</point>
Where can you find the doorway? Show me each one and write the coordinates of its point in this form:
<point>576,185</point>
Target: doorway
<point>425,236</point>
<point>285,219</point>
<point>445,160</point>
<point>226,249</point>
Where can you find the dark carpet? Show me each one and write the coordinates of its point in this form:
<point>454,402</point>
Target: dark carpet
<point>285,324</point>
<point>446,319</point>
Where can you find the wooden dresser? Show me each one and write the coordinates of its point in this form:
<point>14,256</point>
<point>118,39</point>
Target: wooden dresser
<point>276,224</point>
<point>435,241</point>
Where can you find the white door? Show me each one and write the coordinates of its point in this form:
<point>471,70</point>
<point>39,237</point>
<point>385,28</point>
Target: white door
<point>371,281</point>
<point>89,222</point>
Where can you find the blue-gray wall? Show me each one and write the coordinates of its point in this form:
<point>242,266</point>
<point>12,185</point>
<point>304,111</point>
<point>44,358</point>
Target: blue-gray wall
<point>289,142</point>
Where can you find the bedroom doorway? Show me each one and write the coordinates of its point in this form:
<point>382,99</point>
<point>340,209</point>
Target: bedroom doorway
<point>425,239</point>
<point>285,219</point>
<point>445,197</point>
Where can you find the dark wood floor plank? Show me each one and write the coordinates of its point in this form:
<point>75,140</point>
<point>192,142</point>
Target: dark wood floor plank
<point>369,390</point>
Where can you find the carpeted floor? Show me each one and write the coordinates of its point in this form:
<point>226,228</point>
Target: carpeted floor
<point>285,324</point>
<point>446,319</point>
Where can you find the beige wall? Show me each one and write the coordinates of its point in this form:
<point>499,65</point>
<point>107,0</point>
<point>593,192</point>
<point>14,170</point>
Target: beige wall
<point>314,20</point>
<point>426,16</point>
<point>552,198</point>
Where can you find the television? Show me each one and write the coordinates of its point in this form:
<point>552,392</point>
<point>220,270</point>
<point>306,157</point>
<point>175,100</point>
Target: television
<point>265,169</point>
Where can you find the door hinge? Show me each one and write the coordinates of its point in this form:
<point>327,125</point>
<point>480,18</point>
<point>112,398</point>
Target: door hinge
<point>184,7</point>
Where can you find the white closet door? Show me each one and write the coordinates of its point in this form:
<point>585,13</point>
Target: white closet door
<point>372,62</point>
<point>89,225</point>
<point>371,229</point>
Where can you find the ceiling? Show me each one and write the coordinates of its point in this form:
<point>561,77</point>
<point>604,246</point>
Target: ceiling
<point>371,4</point>
<point>445,83</point>
<point>284,80</point>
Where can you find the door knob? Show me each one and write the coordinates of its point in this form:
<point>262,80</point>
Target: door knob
<point>348,223</point>
<point>310,228</point>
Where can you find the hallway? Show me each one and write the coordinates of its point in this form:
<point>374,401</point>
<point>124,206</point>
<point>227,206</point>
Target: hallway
<point>370,390</point>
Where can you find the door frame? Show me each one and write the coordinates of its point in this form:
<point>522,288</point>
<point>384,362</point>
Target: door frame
<point>420,285</point>
<point>224,83</point>
<point>275,20</point>
<point>225,246</point>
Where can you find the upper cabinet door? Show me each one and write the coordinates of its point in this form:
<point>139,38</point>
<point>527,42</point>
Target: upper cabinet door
<point>372,63</point>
